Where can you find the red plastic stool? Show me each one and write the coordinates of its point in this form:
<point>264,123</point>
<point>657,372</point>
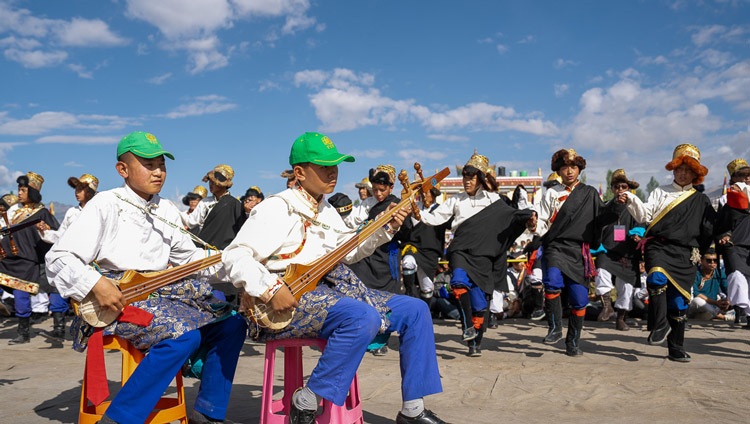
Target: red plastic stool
<point>277,411</point>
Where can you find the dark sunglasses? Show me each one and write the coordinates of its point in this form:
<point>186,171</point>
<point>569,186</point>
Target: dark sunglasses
<point>711,261</point>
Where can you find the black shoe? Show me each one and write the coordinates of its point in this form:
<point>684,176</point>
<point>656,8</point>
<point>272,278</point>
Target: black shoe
<point>659,335</point>
<point>678,356</point>
<point>475,352</point>
<point>538,314</point>
<point>381,351</point>
<point>469,334</point>
<point>426,417</point>
<point>301,416</point>
<point>493,321</point>
<point>553,337</point>
<point>199,418</point>
<point>571,350</point>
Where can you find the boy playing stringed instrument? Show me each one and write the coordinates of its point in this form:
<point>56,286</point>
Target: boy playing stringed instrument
<point>298,226</point>
<point>132,228</point>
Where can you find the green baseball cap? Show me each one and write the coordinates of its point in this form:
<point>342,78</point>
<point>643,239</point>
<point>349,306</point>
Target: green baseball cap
<point>142,144</point>
<point>318,149</point>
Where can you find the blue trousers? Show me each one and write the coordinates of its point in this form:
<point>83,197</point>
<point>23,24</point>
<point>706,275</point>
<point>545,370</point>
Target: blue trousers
<point>478,299</point>
<point>223,339</point>
<point>22,301</point>
<point>351,325</point>
<point>554,281</point>
<point>675,300</point>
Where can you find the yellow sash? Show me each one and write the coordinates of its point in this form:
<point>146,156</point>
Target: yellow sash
<point>681,198</point>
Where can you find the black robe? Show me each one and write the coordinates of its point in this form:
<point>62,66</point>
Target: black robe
<point>690,224</point>
<point>375,270</point>
<point>223,222</point>
<point>736,224</point>
<point>576,223</point>
<point>622,259</point>
<point>480,244</point>
<point>31,250</point>
<point>430,243</point>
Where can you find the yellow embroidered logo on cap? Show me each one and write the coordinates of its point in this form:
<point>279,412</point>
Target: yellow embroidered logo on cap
<point>150,137</point>
<point>327,142</point>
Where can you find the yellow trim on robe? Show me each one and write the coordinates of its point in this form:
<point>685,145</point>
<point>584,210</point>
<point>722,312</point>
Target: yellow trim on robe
<point>671,206</point>
<point>682,291</point>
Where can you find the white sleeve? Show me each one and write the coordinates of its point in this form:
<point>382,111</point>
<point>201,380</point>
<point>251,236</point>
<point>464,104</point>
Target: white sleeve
<point>642,212</point>
<point>440,214</point>
<point>197,217</point>
<point>544,213</point>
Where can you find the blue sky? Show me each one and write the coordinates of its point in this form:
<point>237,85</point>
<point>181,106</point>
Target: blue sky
<point>235,81</point>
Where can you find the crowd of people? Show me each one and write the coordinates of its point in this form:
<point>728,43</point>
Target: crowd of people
<point>379,265</point>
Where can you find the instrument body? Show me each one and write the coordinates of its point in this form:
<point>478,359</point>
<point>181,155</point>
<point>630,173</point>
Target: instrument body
<point>302,278</point>
<point>136,286</point>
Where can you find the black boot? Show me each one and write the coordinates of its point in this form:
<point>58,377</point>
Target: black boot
<point>740,317</point>
<point>58,326</point>
<point>607,311</point>
<point>24,329</point>
<point>657,313</point>
<point>410,284</point>
<point>573,338</point>
<point>538,312</point>
<point>553,311</point>
<point>676,338</point>
<point>467,324</point>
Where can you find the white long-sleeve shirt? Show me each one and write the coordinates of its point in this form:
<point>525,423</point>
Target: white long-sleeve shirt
<point>274,229</point>
<point>198,216</point>
<point>51,236</point>
<point>360,212</point>
<point>658,200</point>
<point>118,236</point>
<point>460,207</point>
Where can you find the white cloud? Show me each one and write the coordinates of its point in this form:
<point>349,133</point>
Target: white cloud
<point>178,19</point>
<point>267,85</point>
<point>715,58</point>
<point>706,35</point>
<point>81,71</point>
<point>345,100</point>
<point>20,43</point>
<point>369,154</point>
<point>36,58</point>
<point>87,33</point>
<point>410,154</point>
<point>561,89</point>
<point>204,105</point>
<point>45,122</point>
<point>447,137</point>
<point>527,39</point>
<point>159,79</point>
<point>502,48</point>
<point>78,139</point>
<point>73,164</point>
<point>564,63</point>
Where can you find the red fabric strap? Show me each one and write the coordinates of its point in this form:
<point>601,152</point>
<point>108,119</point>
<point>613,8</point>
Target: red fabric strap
<point>97,388</point>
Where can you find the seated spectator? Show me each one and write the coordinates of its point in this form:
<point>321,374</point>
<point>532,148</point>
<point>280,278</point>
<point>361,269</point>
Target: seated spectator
<point>442,301</point>
<point>709,290</point>
<point>505,302</point>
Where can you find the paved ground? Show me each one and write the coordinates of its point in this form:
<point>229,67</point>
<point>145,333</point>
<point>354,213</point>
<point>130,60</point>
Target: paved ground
<point>518,380</point>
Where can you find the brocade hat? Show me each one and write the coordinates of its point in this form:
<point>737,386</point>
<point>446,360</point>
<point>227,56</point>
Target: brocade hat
<point>200,191</point>
<point>9,200</point>
<point>365,183</point>
<point>221,175</point>
<point>619,177</point>
<point>736,164</point>
<point>35,180</point>
<point>388,170</point>
<point>478,161</point>
<point>690,155</point>
<point>86,180</point>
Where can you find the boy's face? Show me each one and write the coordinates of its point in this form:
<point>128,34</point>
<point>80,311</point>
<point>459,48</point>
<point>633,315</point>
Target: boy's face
<point>683,175</point>
<point>144,176</point>
<point>569,174</point>
<point>471,184</point>
<point>81,194</point>
<point>23,195</point>
<point>363,194</point>
<point>381,191</point>
<point>316,179</point>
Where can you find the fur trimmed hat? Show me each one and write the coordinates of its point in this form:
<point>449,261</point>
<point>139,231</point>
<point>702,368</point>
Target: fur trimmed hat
<point>619,177</point>
<point>221,175</point>
<point>85,180</point>
<point>736,164</point>
<point>567,157</point>
<point>691,156</point>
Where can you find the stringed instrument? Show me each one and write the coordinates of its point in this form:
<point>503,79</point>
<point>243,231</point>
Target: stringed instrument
<point>137,286</point>
<point>18,284</point>
<point>302,278</point>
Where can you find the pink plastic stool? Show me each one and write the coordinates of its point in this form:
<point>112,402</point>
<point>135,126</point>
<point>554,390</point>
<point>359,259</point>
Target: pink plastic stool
<point>277,411</point>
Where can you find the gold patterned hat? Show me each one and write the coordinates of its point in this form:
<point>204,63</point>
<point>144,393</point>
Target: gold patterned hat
<point>221,175</point>
<point>200,191</point>
<point>35,180</point>
<point>365,183</point>
<point>9,200</point>
<point>87,180</point>
<point>735,165</point>
<point>478,161</point>
<point>690,155</point>
<point>552,180</point>
<point>619,176</point>
<point>389,170</point>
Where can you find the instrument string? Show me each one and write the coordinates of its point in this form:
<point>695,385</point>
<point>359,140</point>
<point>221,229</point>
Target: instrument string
<point>169,276</point>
